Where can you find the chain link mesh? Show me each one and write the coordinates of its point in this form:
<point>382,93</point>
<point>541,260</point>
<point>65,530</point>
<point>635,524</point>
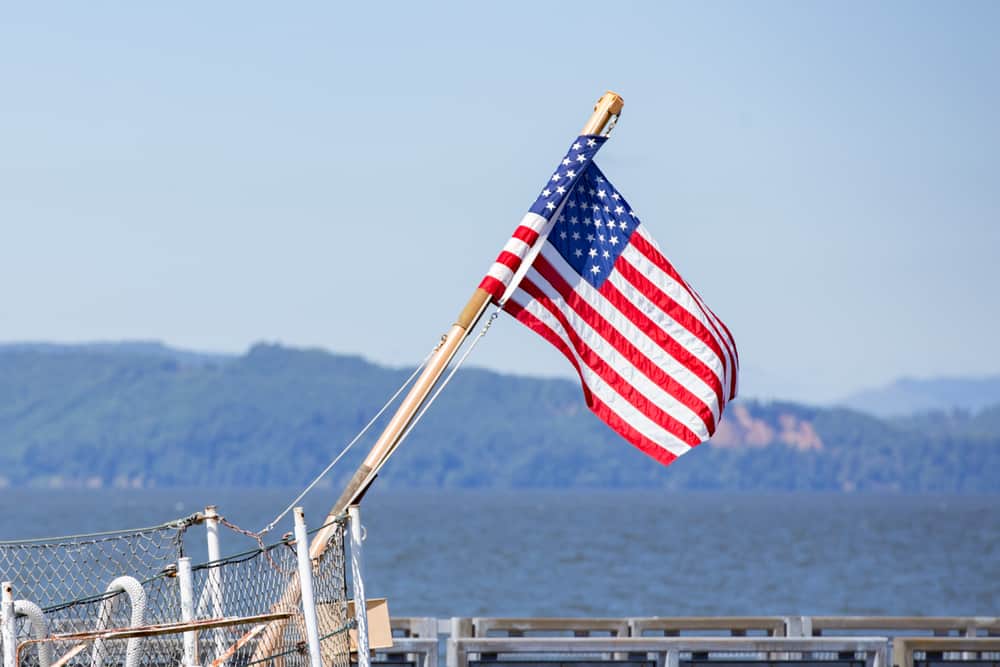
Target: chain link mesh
<point>67,579</point>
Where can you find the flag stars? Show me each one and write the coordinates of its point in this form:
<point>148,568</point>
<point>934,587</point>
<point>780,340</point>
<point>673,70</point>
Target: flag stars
<point>616,196</point>
<point>606,255</point>
<point>591,142</point>
<point>613,240</point>
<point>592,252</point>
<point>556,176</point>
<point>566,161</point>
<point>590,239</point>
<point>550,206</point>
<point>574,220</point>
<point>600,237</point>
<point>570,174</point>
<point>546,192</point>
<point>601,194</point>
<point>563,235</point>
<point>623,225</point>
<point>578,252</point>
<point>576,236</point>
<point>595,269</point>
<point>619,210</point>
<point>581,158</point>
<point>597,223</point>
<point>576,146</point>
<point>560,190</point>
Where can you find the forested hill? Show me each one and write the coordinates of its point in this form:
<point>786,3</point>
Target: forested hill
<point>144,415</point>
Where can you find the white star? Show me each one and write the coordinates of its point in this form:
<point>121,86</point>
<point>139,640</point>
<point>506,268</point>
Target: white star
<point>591,192</point>
<point>576,236</point>
<point>550,206</point>
<point>574,220</point>
<point>595,269</point>
<point>563,235</point>
<point>600,237</point>
<point>597,223</point>
<point>546,192</point>
<point>570,174</point>
<point>613,240</point>
<point>600,179</point>
<point>581,158</point>
<point>623,225</point>
<point>601,194</point>
<point>619,210</point>
<point>566,162</point>
<point>592,252</point>
<point>591,142</point>
<point>632,213</point>
<point>560,190</point>
<point>606,255</point>
<point>590,239</point>
<point>576,146</point>
<point>586,221</point>
<point>595,207</point>
<point>556,176</point>
<point>578,252</point>
<point>607,210</point>
<point>572,203</point>
<point>616,196</point>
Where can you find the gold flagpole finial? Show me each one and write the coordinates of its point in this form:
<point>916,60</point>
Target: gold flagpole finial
<point>609,105</point>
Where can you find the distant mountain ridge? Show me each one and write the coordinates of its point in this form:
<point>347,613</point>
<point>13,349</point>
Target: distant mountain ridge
<point>145,415</point>
<point>910,396</point>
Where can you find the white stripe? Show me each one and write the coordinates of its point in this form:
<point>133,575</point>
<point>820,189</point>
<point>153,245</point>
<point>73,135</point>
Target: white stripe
<point>619,361</point>
<point>678,293</point>
<point>597,386</point>
<point>543,228</point>
<point>662,319</point>
<point>516,246</point>
<point>534,222</point>
<point>501,272</point>
<point>715,323</point>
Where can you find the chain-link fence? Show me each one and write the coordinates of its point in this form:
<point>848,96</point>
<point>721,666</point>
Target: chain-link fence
<point>248,605</point>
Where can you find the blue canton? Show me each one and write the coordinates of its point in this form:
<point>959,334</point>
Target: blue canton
<point>578,158</point>
<point>594,227</point>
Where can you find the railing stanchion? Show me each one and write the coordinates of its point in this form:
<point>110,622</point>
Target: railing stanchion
<point>8,636</point>
<point>306,584</point>
<point>186,584</point>
<point>357,578</point>
<point>214,579</point>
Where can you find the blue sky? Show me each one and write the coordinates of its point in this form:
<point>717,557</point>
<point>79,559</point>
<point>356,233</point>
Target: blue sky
<point>211,175</point>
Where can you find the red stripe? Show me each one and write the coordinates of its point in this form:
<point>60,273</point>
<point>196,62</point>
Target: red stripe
<point>625,430</point>
<point>526,234</point>
<point>493,286</point>
<point>668,343</point>
<point>509,259</point>
<point>609,374</point>
<point>606,414</point>
<point>546,332</point>
<point>653,255</point>
<point>668,305</point>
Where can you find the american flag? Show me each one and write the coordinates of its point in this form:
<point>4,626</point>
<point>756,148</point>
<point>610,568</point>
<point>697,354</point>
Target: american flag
<point>656,364</point>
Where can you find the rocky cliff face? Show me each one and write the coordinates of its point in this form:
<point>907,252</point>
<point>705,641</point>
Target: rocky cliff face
<point>741,429</point>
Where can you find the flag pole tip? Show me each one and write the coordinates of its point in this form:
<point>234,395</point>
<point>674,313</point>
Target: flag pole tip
<point>612,101</point>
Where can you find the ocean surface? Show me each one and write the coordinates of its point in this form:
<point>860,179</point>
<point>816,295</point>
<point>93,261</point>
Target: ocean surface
<point>586,553</point>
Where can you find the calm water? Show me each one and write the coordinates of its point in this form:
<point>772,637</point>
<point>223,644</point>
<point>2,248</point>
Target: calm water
<point>611,553</point>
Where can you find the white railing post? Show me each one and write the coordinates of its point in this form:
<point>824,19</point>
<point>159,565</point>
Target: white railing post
<point>306,584</point>
<point>360,603</point>
<point>213,581</point>
<point>184,581</point>
<point>8,635</point>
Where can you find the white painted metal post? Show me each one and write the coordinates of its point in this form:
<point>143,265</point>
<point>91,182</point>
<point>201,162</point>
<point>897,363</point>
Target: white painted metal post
<point>9,638</point>
<point>184,581</point>
<point>360,603</point>
<point>306,584</point>
<point>214,579</point>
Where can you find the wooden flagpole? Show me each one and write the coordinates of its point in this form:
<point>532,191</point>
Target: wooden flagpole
<point>608,106</point>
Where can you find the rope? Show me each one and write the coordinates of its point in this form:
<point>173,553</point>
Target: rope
<point>438,390</point>
<point>336,459</point>
<point>124,532</point>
